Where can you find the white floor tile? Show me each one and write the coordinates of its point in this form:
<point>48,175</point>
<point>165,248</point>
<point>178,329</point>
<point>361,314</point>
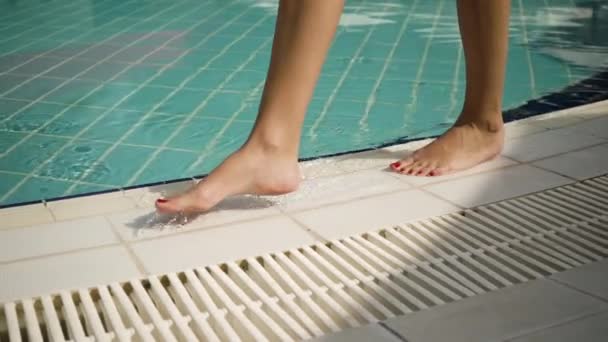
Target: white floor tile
<point>23,216</point>
<point>519,129</point>
<point>328,190</point>
<point>68,271</point>
<point>227,243</point>
<point>591,278</point>
<point>545,144</point>
<point>90,206</point>
<point>498,315</point>
<point>144,223</point>
<point>51,238</point>
<point>596,127</point>
<point>583,164</point>
<point>368,333</point>
<point>373,213</point>
<point>376,159</point>
<point>588,329</point>
<point>145,197</point>
<point>497,163</point>
<point>556,122</point>
<point>496,185</point>
<point>320,168</point>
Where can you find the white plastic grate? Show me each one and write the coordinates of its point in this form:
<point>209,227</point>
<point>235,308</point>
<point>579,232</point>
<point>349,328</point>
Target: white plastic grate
<point>313,290</point>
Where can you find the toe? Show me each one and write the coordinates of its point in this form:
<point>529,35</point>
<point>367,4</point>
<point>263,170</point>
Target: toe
<point>436,172</point>
<point>425,171</point>
<point>416,168</point>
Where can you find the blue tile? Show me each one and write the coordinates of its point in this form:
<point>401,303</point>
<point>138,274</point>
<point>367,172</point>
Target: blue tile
<point>209,79</point>
<point>120,165</point>
<point>171,77</point>
<point>113,125</point>
<point>108,95</point>
<point>138,74</point>
<point>154,129</point>
<point>223,104</point>
<point>197,134</point>
<point>21,159</point>
<point>184,101</point>
<point>9,181</point>
<point>9,107</point>
<point>72,91</point>
<point>168,165</point>
<point>72,121</point>
<point>31,118</point>
<point>246,80</point>
<point>8,81</point>
<point>82,189</point>
<point>75,160</point>
<point>35,189</point>
<point>35,88</point>
<point>145,98</point>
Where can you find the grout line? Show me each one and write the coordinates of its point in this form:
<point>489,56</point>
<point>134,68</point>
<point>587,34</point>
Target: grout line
<point>561,323</point>
<point>304,227</point>
<point>138,263</point>
<point>574,288</point>
<point>55,254</point>
<point>392,331</point>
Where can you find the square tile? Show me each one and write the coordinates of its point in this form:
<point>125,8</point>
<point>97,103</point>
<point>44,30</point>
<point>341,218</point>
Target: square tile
<point>33,118</point>
<point>184,101</point>
<point>227,243</point>
<point>35,88</point>
<point>496,185</point>
<point>72,91</point>
<point>68,271</point>
<point>75,160</point>
<point>10,81</point>
<point>545,144</point>
<point>596,127</point>
<point>145,99</point>
<point>521,128</point>
<point>26,215</point>
<point>591,278</point>
<point>197,134</point>
<point>111,126</point>
<point>114,170</point>
<point>72,122</point>
<point>108,95</point>
<point>168,165</point>
<point>589,329</point>
<point>37,189</point>
<point>373,213</point>
<point>583,164</point>
<point>329,190</point>
<point>89,206</point>
<point>71,68</point>
<point>372,332</point>
<point>104,71</point>
<point>154,129</point>
<point>39,240</point>
<point>498,315</point>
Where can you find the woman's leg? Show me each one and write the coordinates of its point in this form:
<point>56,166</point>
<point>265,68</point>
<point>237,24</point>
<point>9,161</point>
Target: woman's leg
<point>477,135</point>
<point>268,162</point>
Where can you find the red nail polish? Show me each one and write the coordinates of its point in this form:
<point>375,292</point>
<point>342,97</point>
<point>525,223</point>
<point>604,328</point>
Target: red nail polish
<point>162,200</point>
<point>396,164</point>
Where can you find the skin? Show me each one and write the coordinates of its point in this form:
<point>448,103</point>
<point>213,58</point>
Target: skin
<point>267,164</point>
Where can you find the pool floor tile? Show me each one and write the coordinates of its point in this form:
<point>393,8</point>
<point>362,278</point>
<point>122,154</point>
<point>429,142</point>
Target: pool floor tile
<point>591,278</point>
<point>583,164</point>
<point>591,328</point>
<point>25,215</point>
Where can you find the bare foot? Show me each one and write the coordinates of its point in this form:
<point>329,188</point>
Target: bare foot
<point>461,147</point>
<point>247,171</point>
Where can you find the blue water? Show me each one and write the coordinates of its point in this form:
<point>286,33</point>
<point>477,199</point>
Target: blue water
<point>100,95</point>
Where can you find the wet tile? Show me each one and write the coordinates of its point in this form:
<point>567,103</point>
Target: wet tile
<point>114,170</point>
<point>26,215</point>
<point>591,278</point>
<point>545,144</point>
<point>583,164</point>
<point>208,247</point>
<point>112,125</point>
<point>328,190</point>
<point>63,272</point>
<point>185,101</point>
<point>373,213</point>
<point>167,165</point>
<point>498,315</point>
<point>496,185</point>
<point>72,92</point>
<point>35,88</point>
<point>39,240</point>
<point>589,329</point>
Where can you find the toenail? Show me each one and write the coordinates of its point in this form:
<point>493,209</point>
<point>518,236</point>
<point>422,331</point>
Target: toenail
<point>161,200</point>
<point>396,164</point>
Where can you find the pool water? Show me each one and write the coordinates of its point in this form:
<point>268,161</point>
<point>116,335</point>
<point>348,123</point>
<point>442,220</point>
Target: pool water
<point>101,95</point>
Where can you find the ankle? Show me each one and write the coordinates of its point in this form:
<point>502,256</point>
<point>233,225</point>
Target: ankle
<point>272,145</point>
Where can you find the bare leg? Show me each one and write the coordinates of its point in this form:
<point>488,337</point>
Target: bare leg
<point>477,135</point>
<point>268,162</point>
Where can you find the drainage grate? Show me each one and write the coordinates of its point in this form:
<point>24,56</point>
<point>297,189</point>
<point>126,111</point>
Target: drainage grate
<point>327,287</point>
